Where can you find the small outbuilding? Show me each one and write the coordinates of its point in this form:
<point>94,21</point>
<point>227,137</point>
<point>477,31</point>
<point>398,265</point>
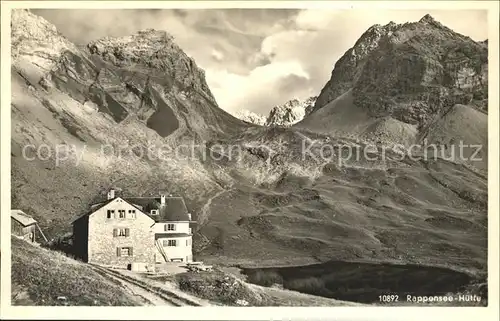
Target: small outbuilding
<point>23,225</point>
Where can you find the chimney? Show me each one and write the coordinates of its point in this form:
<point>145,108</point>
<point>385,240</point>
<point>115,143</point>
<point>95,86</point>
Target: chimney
<point>162,200</point>
<point>111,194</point>
<point>189,216</point>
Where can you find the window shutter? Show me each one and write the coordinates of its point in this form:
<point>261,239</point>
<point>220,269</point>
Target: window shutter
<point>165,227</point>
<point>118,252</point>
<point>127,232</point>
<point>115,232</point>
<point>130,251</point>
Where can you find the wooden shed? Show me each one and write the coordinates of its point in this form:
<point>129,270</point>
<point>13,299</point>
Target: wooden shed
<point>23,225</point>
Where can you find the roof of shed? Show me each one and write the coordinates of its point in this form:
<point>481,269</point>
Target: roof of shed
<point>22,217</point>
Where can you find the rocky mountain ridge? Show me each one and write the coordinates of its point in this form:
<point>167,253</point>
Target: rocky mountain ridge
<point>399,81</point>
<point>251,117</point>
<point>284,115</point>
<point>156,50</point>
<point>290,112</point>
<point>400,62</point>
<point>35,39</point>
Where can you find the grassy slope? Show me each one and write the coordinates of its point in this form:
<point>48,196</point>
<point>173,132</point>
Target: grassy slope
<point>39,276</point>
<point>402,211</point>
<point>222,288</point>
<point>462,124</point>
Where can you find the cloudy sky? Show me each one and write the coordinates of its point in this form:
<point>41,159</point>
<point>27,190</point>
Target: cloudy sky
<point>256,58</point>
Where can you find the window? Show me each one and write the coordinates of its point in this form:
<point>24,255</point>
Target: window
<point>124,251</point>
<point>110,213</point>
<point>131,213</point>
<point>154,212</point>
<point>188,242</point>
<point>169,227</point>
<point>121,213</point>
<point>117,232</point>
<point>170,243</point>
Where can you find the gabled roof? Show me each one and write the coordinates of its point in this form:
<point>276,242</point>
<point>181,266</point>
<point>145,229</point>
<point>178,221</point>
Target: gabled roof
<point>93,208</point>
<point>174,210</point>
<point>22,217</point>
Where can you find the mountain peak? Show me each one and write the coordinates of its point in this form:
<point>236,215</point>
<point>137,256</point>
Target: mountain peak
<point>427,18</point>
<point>284,115</point>
<point>290,112</point>
<point>428,38</point>
<point>153,33</point>
<point>145,43</point>
<point>34,38</point>
<point>156,51</point>
<point>251,117</point>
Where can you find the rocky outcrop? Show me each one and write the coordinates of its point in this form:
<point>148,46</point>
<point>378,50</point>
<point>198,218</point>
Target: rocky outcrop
<point>251,117</point>
<point>36,40</point>
<point>145,76</point>
<point>290,112</point>
<point>156,51</point>
<point>399,82</point>
<point>309,104</point>
<point>284,115</point>
<point>411,72</point>
<point>348,68</point>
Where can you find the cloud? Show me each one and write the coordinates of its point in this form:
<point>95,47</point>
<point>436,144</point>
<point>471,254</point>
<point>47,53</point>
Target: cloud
<point>257,58</point>
<point>260,89</point>
<point>217,55</point>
